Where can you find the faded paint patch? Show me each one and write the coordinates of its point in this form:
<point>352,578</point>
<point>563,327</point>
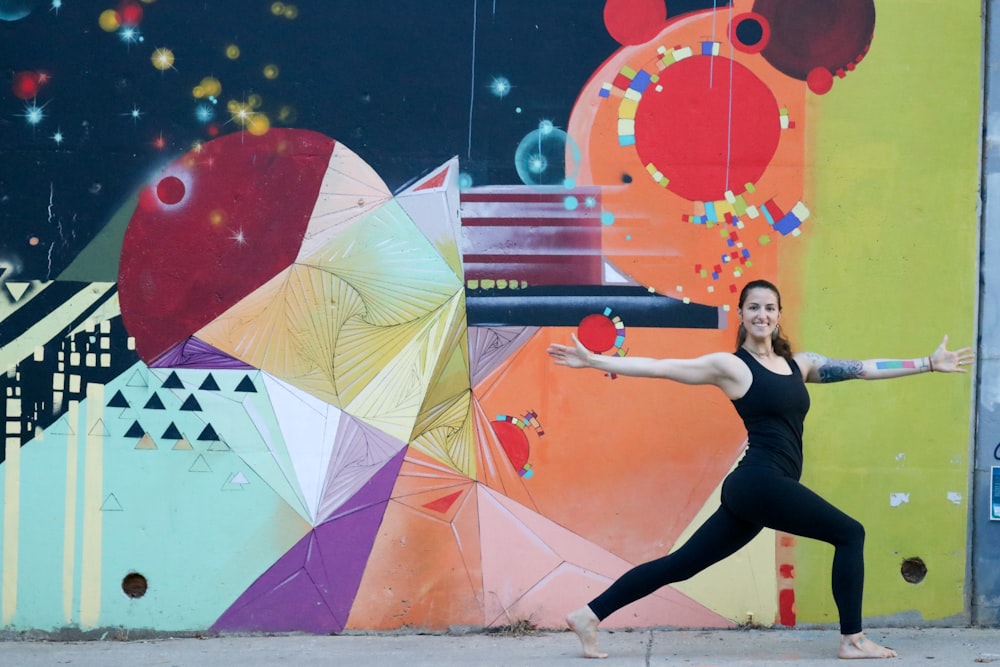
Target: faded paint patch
<point>897,499</point>
<point>955,497</point>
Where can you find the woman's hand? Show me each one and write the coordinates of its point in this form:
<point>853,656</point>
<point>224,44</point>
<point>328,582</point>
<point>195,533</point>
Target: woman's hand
<point>574,356</point>
<point>944,360</point>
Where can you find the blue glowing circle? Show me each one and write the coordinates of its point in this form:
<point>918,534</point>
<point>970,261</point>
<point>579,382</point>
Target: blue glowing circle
<point>464,181</point>
<point>15,10</point>
<point>547,156</point>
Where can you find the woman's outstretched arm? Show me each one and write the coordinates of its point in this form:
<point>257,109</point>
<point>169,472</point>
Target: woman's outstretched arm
<point>717,368</point>
<point>818,368</point>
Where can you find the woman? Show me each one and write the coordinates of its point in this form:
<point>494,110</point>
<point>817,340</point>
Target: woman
<point>765,382</point>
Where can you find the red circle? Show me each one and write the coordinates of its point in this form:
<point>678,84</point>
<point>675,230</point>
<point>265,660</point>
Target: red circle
<point>634,21</point>
<point>765,32</point>
<point>25,85</point>
<point>709,126</point>
<point>130,13</point>
<point>820,80</point>
<point>170,190</point>
<point>597,333</point>
<point>514,442</point>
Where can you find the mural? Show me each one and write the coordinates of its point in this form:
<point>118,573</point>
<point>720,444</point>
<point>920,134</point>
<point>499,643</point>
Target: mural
<point>278,288</point>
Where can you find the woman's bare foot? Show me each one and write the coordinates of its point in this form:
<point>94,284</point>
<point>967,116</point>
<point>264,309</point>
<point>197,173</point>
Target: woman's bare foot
<point>859,646</point>
<point>584,623</point>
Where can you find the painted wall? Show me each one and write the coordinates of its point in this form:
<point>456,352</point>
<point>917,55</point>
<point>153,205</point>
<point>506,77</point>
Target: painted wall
<point>279,283</point>
<point>985,584</point>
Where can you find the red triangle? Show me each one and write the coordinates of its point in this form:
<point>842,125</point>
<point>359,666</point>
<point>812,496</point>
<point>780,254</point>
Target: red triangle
<point>443,504</point>
<point>435,181</point>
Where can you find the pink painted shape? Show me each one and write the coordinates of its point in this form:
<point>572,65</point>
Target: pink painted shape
<point>534,568</point>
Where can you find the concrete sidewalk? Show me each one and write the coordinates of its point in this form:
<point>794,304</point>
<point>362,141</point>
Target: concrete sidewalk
<point>946,647</point>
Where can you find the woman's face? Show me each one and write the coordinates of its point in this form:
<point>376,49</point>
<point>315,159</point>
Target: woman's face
<point>760,312</point>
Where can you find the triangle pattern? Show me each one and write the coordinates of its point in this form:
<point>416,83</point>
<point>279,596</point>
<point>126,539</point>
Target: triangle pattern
<point>490,347</point>
<point>312,587</point>
<point>557,568</point>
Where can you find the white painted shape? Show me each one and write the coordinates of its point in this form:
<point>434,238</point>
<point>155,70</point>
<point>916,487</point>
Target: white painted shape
<point>955,497</point>
<point>308,426</point>
<point>897,499</point>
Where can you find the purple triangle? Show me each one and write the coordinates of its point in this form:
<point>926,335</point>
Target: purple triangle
<point>194,353</point>
<point>312,587</point>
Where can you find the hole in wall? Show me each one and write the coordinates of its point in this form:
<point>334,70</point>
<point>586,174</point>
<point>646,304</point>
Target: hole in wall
<point>913,570</point>
<point>134,585</point>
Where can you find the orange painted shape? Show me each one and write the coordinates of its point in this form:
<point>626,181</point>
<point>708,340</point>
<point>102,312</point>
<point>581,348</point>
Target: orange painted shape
<point>422,573</point>
<point>625,463</point>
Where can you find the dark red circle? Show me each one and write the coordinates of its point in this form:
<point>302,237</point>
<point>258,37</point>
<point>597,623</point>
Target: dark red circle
<point>820,80</point>
<point>819,33</point>
<point>170,190</point>
<point>634,21</point>
<point>747,25</point>
<point>25,85</point>
<point>710,126</point>
<point>597,333</point>
<point>514,442</point>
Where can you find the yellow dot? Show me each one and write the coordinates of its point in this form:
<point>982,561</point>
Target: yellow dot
<point>277,8</point>
<point>211,86</point>
<point>109,20</point>
<point>232,52</point>
<point>216,217</point>
<point>291,12</point>
<point>270,71</point>
<point>254,101</point>
<point>232,106</point>
<point>198,92</point>
<point>163,59</point>
<point>258,124</point>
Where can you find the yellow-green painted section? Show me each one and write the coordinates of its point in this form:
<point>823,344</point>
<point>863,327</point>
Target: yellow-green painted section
<point>890,266</point>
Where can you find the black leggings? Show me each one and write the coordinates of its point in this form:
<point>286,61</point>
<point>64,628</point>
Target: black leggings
<point>754,497</point>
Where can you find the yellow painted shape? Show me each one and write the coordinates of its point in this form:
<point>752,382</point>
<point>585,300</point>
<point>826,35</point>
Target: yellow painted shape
<point>11,528</point>
<point>93,486</point>
<point>742,584</point>
<point>903,127</point>
<point>69,525</point>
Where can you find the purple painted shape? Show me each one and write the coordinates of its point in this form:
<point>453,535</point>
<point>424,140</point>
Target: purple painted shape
<point>194,353</point>
<point>312,587</point>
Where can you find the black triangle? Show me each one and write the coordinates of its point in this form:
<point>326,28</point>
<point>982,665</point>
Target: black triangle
<point>246,384</point>
<point>154,403</point>
<point>209,384</point>
<point>208,433</point>
<point>172,432</point>
<point>191,404</point>
<point>135,431</point>
<point>173,382</point>
<point>118,401</point>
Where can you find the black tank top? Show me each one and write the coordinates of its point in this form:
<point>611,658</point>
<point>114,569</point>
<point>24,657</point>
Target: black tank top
<point>773,411</point>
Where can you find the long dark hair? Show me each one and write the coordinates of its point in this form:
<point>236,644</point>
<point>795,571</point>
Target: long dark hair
<point>781,345</point>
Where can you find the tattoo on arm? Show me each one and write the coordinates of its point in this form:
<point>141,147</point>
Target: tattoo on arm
<point>838,370</point>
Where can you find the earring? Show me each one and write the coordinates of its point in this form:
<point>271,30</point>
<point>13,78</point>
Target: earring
<point>776,332</point>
